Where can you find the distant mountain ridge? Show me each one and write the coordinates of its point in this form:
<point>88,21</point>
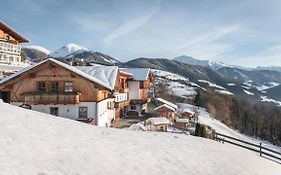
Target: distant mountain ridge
<point>205,63</point>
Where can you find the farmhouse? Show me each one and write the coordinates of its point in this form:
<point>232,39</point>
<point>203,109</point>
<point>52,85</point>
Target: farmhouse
<point>97,94</point>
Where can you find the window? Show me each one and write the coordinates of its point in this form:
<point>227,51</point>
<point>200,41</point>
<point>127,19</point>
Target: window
<point>133,107</point>
<point>41,86</point>
<point>83,112</point>
<point>68,87</point>
<point>110,105</point>
<point>54,87</point>
<point>141,85</point>
<point>54,111</point>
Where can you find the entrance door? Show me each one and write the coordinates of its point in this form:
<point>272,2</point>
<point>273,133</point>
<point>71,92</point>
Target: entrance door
<point>54,111</point>
<point>5,96</point>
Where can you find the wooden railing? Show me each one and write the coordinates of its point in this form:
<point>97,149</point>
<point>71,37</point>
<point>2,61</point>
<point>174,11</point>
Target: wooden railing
<point>259,148</point>
<point>51,98</point>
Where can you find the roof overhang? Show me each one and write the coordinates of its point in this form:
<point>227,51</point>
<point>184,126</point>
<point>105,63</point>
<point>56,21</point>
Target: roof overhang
<point>7,29</point>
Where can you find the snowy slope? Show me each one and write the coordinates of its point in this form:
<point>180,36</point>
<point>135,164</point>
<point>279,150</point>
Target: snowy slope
<point>206,118</point>
<point>36,143</point>
<point>177,84</point>
<point>67,50</point>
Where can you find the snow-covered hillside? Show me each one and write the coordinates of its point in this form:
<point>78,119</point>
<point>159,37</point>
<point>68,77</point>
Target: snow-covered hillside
<point>67,50</point>
<point>177,84</point>
<point>36,143</point>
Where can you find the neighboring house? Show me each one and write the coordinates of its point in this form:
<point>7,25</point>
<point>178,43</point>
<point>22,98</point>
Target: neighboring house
<point>10,50</point>
<point>182,123</point>
<point>157,124</point>
<point>139,89</point>
<point>121,93</point>
<point>166,111</point>
<point>88,93</point>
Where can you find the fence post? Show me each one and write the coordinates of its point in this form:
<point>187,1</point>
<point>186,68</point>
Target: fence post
<point>260,149</point>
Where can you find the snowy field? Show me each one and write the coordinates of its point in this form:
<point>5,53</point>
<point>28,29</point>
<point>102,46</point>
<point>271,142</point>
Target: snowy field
<point>36,143</point>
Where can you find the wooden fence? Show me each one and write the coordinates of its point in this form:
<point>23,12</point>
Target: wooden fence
<point>259,148</point>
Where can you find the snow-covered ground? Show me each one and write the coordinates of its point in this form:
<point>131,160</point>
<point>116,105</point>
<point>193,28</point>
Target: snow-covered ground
<point>181,90</point>
<point>177,84</point>
<point>210,84</point>
<point>261,87</point>
<point>224,92</point>
<point>168,75</point>
<point>36,143</point>
<point>231,84</point>
<point>248,92</point>
<point>270,100</point>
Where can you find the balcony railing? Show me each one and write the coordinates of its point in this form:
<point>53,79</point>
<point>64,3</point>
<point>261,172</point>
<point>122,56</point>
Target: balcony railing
<point>51,98</point>
<point>119,97</point>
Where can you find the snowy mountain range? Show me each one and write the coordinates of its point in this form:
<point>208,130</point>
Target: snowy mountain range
<point>67,52</point>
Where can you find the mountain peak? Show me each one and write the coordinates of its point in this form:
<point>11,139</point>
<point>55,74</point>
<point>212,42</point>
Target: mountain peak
<point>67,50</point>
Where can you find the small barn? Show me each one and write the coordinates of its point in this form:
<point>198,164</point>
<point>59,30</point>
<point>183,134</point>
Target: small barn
<point>182,123</point>
<point>166,111</point>
<point>157,124</point>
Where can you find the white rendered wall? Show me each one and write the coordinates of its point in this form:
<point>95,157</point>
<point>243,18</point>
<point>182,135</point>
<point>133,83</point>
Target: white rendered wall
<point>66,111</point>
<point>134,87</point>
<point>104,115</point>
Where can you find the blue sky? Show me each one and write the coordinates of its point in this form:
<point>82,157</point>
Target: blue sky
<point>241,32</point>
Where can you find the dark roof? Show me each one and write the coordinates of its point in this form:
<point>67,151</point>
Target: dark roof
<point>12,32</point>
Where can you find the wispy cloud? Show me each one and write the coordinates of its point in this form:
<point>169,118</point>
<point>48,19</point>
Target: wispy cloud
<point>207,45</point>
<point>129,27</point>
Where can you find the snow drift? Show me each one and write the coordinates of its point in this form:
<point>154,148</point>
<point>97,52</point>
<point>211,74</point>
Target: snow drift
<point>36,143</point>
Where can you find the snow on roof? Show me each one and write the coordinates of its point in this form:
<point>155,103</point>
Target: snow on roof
<point>106,84</point>
<point>167,102</point>
<point>182,120</point>
<point>166,106</point>
<point>106,74</point>
<point>158,120</point>
<point>139,74</point>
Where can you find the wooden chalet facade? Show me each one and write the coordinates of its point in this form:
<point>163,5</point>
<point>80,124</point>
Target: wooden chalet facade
<point>10,50</point>
<point>97,94</point>
<point>166,111</point>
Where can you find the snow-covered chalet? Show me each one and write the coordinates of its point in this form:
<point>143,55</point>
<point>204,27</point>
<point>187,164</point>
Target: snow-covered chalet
<point>98,94</point>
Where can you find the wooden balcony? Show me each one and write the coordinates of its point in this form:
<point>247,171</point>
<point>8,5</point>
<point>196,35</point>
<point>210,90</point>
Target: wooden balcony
<point>121,104</point>
<point>51,98</point>
<point>139,101</point>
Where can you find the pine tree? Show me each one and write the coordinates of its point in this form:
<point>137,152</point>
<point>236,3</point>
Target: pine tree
<point>197,99</point>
